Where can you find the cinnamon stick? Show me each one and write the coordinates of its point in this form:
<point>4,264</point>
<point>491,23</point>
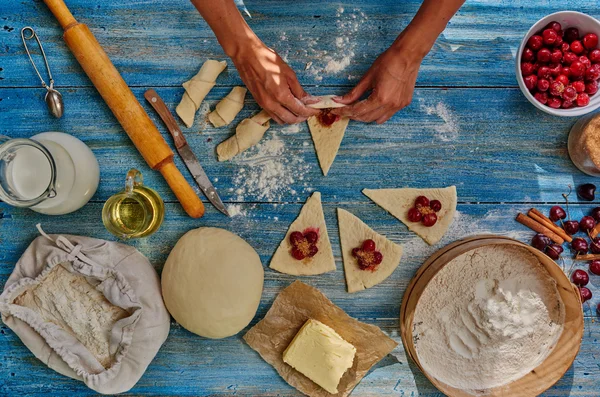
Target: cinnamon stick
<point>595,231</point>
<point>544,220</point>
<point>538,227</point>
<point>587,257</point>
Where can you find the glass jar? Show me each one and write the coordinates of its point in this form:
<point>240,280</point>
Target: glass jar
<point>584,145</point>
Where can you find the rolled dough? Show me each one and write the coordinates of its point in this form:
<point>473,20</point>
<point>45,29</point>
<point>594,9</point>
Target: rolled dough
<point>311,216</point>
<point>247,134</point>
<point>197,88</point>
<point>398,201</point>
<point>327,139</point>
<point>212,282</point>
<point>353,232</point>
<point>228,108</point>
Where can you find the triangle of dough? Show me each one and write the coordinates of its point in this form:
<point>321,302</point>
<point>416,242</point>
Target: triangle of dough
<point>398,201</point>
<point>353,232</point>
<point>327,140</point>
<point>311,216</point>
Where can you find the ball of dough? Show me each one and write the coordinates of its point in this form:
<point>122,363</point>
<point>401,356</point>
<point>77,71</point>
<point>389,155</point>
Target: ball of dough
<point>212,282</point>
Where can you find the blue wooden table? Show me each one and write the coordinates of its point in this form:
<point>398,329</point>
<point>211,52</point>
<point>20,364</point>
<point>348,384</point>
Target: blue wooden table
<point>468,125</point>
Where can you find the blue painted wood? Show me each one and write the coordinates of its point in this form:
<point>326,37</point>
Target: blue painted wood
<point>503,155</point>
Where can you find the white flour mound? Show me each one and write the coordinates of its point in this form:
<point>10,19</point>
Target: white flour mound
<point>487,318</point>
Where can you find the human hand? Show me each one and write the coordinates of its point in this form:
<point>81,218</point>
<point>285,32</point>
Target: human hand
<point>391,80</point>
<point>273,84</point>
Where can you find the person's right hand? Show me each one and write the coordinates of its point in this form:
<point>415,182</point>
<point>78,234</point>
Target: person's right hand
<point>273,84</point>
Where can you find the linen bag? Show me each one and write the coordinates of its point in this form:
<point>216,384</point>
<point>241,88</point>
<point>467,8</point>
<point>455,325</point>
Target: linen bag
<point>130,287</point>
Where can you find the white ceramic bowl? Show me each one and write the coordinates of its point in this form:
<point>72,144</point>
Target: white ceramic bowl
<point>585,24</point>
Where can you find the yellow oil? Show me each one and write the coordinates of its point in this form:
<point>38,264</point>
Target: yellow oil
<point>134,215</point>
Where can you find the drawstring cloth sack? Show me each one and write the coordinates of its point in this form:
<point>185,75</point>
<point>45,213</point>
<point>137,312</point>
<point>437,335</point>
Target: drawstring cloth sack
<point>89,309</point>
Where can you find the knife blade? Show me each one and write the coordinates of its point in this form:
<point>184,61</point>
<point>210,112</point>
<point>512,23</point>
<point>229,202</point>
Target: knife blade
<point>189,158</point>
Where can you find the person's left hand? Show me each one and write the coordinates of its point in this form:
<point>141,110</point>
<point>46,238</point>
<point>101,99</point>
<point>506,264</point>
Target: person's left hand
<point>391,80</point>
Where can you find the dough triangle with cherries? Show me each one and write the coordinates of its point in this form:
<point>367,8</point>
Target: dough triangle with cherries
<point>353,232</point>
<point>327,138</point>
<point>311,218</point>
<point>398,201</point>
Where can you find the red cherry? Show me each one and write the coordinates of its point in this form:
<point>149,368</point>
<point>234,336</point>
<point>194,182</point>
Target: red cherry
<point>555,103</point>
<point>549,36</point>
<point>543,72</point>
<point>544,54</point>
<point>571,34</point>
<point>297,254</point>
<point>595,245</point>
<point>571,227</point>
<point>554,251</point>
<point>590,41</point>
<point>569,58</point>
<point>580,277</point>
<point>429,219</point>
<point>555,69</point>
<point>436,205</point>
<point>528,55</point>
<point>565,47</point>
<point>554,26</point>
<point>377,258</point>
<point>567,104</point>
<point>586,224</point>
<point>556,56</point>
<point>565,71</point>
<point>594,55</point>
<point>543,85</point>
<point>586,191</point>
<point>586,61</point>
<point>311,237</point>
<point>559,40</point>
<point>579,245</point>
<point>577,47</point>
<point>590,88</point>
<point>531,82</point>
<point>422,201</point>
<point>355,252</point>
<point>296,237</point>
<point>596,214</point>
<point>368,245</point>
<point>541,97</point>
<point>583,99</point>
<point>557,213</point>
<point>579,86</point>
<point>414,215</point>
<point>595,267</point>
<point>577,69</point>
<point>540,241</point>
<point>535,42</point>
<point>563,79</point>
<point>569,94</point>
<point>312,251</point>
<point>585,294</point>
<point>593,73</point>
<point>556,88</point>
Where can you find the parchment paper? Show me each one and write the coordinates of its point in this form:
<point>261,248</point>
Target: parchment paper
<point>292,307</point>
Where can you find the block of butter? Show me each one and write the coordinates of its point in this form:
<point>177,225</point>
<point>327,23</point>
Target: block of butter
<point>320,354</point>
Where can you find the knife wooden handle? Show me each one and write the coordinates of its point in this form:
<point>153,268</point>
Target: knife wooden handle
<point>166,116</point>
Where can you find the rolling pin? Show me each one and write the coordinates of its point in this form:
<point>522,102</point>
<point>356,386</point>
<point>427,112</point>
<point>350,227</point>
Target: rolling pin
<point>124,105</point>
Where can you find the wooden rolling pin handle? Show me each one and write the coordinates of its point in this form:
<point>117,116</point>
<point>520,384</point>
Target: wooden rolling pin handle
<point>61,13</point>
<point>185,194</point>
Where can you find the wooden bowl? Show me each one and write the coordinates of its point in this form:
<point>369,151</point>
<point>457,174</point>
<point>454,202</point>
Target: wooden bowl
<point>543,376</point>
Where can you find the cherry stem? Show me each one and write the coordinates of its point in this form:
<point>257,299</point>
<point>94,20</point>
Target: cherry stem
<point>566,196</point>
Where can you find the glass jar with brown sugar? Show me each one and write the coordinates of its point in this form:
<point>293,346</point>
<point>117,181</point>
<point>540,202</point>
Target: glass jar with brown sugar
<point>584,144</point>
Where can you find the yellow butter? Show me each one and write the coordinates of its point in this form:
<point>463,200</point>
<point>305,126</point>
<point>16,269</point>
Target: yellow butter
<point>320,354</point>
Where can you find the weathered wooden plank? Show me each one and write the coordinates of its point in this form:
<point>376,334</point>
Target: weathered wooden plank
<point>189,365</point>
<point>163,42</point>
<point>491,143</point>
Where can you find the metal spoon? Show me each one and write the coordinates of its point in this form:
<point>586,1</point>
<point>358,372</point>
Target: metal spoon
<point>53,98</point>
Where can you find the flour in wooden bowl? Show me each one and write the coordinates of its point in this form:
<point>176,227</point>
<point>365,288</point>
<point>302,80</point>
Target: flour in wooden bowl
<point>487,318</point>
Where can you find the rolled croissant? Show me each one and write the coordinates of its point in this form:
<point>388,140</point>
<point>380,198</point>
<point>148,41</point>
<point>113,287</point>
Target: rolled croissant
<point>197,88</point>
<point>247,134</point>
<point>228,108</point>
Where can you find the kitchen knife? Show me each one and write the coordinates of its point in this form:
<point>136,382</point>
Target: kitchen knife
<point>188,157</point>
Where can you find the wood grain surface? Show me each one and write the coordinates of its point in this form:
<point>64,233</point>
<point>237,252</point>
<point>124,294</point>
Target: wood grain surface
<point>468,125</point>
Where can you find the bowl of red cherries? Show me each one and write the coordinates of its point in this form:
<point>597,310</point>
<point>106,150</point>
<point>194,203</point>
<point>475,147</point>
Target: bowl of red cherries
<point>558,64</point>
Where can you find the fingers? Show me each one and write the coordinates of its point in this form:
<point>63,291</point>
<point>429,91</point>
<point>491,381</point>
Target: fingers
<point>355,93</point>
<point>284,115</point>
<point>358,109</point>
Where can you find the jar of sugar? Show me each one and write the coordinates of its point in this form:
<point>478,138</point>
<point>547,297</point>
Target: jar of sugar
<point>584,145</point>
<point>52,173</point>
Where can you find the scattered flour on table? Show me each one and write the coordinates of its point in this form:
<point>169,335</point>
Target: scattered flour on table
<point>269,171</point>
<point>487,318</point>
<point>291,129</point>
<point>202,116</point>
<point>235,210</point>
<point>448,131</point>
